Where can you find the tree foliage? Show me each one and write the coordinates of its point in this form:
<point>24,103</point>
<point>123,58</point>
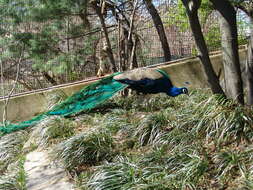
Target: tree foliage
<point>67,40</point>
<point>45,29</point>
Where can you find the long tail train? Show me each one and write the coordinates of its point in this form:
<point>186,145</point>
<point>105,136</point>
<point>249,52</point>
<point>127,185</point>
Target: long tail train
<point>86,99</point>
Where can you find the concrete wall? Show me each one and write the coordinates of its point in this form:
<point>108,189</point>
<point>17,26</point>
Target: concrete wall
<point>191,70</point>
<point>186,70</point>
<point>26,106</point>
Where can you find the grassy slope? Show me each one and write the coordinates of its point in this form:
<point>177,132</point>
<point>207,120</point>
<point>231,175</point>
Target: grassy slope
<point>156,142</point>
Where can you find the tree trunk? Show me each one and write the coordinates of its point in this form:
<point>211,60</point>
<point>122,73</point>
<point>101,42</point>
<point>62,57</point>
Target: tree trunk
<point>159,27</point>
<point>247,7</point>
<point>128,37</point>
<point>192,12</point>
<point>133,61</point>
<point>109,50</point>
<point>229,43</point>
<point>249,66</point>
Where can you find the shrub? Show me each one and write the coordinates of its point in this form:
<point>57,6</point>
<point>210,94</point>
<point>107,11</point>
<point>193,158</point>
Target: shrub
<point>51,130</point>
<point>85,149</point>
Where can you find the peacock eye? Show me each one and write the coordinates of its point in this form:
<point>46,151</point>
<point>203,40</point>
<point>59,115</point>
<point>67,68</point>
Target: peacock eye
<point>185,91</point>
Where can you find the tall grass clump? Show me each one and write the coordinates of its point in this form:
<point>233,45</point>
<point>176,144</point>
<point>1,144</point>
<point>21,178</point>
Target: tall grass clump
<point>222,121</point>
<point>151,128</point>
<point>51,130</point>
<point>114,122</point>
<point>155,170</point>
<point>245,180</point>
<point>11,148</point>
<point>187,169</point>
<point>121,174</point>
<point>15,178</point>
<point>234,164</point>
<point>87,148</point>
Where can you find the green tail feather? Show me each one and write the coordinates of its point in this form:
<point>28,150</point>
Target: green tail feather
<point>22,125</point>
<point>86,99</point>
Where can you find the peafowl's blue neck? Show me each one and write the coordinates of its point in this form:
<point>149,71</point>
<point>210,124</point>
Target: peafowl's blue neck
<point>174,91</point>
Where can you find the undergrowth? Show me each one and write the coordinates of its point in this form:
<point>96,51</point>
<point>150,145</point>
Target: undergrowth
<point>12,174</point>
<point>198,142</point>
<point>201,141</point>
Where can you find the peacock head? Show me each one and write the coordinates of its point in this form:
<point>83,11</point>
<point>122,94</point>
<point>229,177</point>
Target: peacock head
<point>174,91</point>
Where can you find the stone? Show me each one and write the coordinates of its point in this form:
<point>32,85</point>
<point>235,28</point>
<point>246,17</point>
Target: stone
<point>43,174</point>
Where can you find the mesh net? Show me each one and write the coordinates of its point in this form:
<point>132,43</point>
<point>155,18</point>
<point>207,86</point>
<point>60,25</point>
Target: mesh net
<point>86,99</point>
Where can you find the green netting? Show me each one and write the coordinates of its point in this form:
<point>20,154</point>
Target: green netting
<point>87,98</point>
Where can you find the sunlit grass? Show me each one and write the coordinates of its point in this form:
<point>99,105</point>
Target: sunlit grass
<point>195,142</point>
<point>222,121</point>
<point>157,170</point>
<point>121,174</point>
<point>51,130</point>
<point>201,141</point>
<point>85,149</point>
<point>234,164</point>
<point>151,128</point>
<point>11,147</point>
<point>15,177</point>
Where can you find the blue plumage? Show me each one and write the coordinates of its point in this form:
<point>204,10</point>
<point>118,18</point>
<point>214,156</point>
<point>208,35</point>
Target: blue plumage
<point>150,81</point>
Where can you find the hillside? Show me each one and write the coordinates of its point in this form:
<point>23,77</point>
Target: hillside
<point>199,141</point>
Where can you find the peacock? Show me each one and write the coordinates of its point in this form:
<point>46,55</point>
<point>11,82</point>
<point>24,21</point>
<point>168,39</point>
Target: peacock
<point>150,81</point>
<point>142,80</point>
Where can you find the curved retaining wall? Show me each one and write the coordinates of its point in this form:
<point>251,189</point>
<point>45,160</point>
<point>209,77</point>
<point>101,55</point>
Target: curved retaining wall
<point>185,70</point>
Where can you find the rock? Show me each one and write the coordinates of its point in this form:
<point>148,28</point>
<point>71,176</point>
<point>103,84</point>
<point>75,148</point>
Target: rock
<point>43,174</point>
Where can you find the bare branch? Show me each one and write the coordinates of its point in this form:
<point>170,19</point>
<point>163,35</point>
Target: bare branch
<point>6,100</point>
